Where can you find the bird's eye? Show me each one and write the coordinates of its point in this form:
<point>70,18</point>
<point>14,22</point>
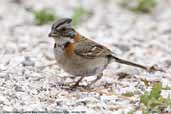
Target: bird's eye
<point>63,29</point>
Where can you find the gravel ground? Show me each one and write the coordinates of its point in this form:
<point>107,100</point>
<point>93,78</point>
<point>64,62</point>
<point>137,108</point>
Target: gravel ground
<point>27,84</point>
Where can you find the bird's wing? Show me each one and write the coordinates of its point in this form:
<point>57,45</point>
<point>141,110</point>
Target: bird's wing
<point>90,49</point>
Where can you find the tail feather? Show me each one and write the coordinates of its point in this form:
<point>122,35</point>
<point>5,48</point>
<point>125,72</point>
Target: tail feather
<point>147,68</point>
<point>122,61</point>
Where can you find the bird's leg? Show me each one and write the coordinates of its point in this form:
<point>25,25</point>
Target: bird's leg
<point>149,69</point>
<point>99,76</point>
<point>77,83</point>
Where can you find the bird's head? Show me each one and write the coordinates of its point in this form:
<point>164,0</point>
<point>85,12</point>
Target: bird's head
<point>62,29</point>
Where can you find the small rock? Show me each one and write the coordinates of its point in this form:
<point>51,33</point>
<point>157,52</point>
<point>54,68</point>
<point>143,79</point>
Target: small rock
<point>28,62</point>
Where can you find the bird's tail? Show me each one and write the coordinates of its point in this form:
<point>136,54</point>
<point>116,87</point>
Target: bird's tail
<point>149,69</point>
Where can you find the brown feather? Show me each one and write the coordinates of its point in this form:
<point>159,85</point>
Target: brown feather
<point>69,49</point>
<point>77,37</point>
<point>90,49</point>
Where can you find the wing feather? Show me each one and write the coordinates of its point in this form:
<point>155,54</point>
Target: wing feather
<point>90,49</point>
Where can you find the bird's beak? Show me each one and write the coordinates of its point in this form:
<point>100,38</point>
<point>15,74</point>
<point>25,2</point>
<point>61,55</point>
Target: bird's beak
<point>50,34</point>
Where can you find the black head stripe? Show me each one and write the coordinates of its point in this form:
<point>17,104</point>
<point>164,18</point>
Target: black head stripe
<point>61,22</point>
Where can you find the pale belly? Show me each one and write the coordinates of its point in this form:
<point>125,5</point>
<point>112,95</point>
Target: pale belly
<point>79,66</point>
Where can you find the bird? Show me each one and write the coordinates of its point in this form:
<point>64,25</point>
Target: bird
<point>81,56</point>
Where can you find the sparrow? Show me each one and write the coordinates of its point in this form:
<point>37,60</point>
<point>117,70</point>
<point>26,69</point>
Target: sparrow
<point>80,56</point>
